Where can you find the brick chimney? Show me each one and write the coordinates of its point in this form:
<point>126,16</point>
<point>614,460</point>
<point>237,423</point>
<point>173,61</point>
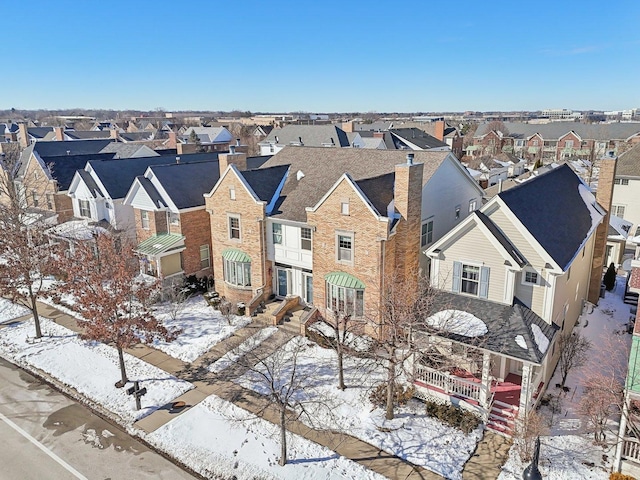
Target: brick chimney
<point>239,159</point>
<point>348,126</point>
<point>439,130</point>
<point>113,133</point>
<point>59,131</point>
<point>604,195</point>
<point>23,135</point>
<point>241,148</point>
<point>408,202</point>
<point>173,140</point>
<point>378,134</point>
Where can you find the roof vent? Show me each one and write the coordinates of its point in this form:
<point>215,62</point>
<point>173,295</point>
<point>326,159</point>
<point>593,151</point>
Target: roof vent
<point>277,141</point>
<point>300,140</point>
<point>299,175</point>
<point>68,152</point>
<point>237,142</point>
<point>409,158</point>
<point>177,159</point>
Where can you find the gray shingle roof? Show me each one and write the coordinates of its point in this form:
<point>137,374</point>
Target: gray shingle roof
<point>153,193</point>
<point>629,163</point>
<point>322,167</point>
<point>379,191</point>
<point>417,137</point>
<point>90,183</point>
<point>555,130</point>
<point>70,147</point>
<point>122,150</point>
<point>560,231</point>
<point>87,135</point>
<point>186,183</point>
<point>311,135</point>
<point>504,323</point>
<point>265,181</point>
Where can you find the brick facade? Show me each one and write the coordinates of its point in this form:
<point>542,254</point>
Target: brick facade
<point>195,227</point>
<point>251,214</point>
<point>157,224</point>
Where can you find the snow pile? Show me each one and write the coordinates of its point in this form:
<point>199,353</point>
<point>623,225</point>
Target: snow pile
<point>89,367</point>
<point>241,350</point>
<point>202,328</point>
<point>540,338</point>
<point>564,457</point>
<point>219,440</point>
<point>520,341</point>
<point>458,322</point>
<point>9,310</point>
<point>411,435</point>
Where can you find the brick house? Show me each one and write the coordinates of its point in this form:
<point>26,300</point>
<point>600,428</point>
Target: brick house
<point>325,225</point>
<point>523,274</point>
<point>172,226</point>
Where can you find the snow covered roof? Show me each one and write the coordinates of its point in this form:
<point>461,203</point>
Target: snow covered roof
<point>76,230</point>
<point>618,228</point>
<point>511,330</point>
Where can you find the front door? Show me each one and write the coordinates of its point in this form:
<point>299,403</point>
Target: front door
<point>284,280</point>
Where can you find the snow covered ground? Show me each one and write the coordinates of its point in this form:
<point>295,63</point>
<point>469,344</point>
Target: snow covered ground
<point>411,435</point>
<point>568,451</point>
<point>90,368</point>
<point>9,310</point>
<point>202,328</point>
<point>216,438</point>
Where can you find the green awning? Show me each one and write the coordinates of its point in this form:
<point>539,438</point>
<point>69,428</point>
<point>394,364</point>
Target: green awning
<point>342,279</point>
<point>160,244</point>
<point>533,149</point>
<point>235,255</point>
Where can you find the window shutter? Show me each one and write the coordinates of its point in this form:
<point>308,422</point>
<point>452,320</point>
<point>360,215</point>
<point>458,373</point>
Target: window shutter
<point>484,282</point>
<point>457,277</point>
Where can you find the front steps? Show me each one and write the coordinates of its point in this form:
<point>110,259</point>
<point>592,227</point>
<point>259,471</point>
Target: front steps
<point>502,418</point>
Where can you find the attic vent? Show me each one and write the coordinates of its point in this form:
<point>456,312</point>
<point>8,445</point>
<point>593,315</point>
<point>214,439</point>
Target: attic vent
<point>277,141</point>
<point>299,175</point>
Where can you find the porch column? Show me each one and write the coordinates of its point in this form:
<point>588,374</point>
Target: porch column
<point>525,390</point>
<point>503,368</point>
<point>485,391</point>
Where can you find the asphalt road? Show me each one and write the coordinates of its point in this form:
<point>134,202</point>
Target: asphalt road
<point>46,436</point>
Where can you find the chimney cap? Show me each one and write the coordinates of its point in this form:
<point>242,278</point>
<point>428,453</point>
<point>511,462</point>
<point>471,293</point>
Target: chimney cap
<point>409,158</point>
<point>232,149</point>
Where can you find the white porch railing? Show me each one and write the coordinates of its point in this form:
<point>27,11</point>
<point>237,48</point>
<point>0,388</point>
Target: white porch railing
<point>631,449</point>
<point>450,384</point>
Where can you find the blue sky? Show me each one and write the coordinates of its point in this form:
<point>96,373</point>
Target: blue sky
<point>321,56</point>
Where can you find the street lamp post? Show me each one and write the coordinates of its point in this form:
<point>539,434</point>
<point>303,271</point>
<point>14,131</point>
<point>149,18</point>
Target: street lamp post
<point>532,472</point>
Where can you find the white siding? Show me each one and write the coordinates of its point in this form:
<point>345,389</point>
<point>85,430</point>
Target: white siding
<point>141,200</point>
<point>629,197</point>
<point>290,251</point>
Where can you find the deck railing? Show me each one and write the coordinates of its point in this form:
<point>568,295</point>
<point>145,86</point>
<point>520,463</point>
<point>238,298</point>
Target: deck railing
<point>631,449</point>
<point>450,384</point>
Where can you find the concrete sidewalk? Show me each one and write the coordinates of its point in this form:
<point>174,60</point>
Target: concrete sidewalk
<point>484,464</point>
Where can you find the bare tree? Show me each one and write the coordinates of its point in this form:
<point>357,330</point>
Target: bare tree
<point>289,383</point>
<point>498,126</point>
<point>24,245</point>
<point>176,296</point>
<point>527,430</point>
<point>405,305</point>
<point>573,353</point>
<point>103,278</point>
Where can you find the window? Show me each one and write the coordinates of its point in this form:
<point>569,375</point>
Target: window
<point>50,203</point>
<point>277,233</point>
<point>237,273</point>
<point>617,210</point>
<point>305,238</point>
<point>144,219</point>
<point>205,261</point>
<point>624,181</point>
<point>426,236</point>
<point>473,205</point>
<point>470,279</point>
<point>568,144</point>
<point>534,143</point>
<point>85,209</point>
<point>174,218</point>
<point>234,228</point>
<point>34,198</point>
<point>344,207</point>
<point>530,278</point>
<point>345,248</point>
<point>347,301</point>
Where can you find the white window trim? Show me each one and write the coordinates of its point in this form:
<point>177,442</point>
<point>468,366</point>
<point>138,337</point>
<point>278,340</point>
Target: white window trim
<point>310,239</point>
<point>470,264</point>
<point>208,258</point>
<point>523,280</point>
<point>273,233</point>
<point>237,217</point>
<point>425,222</point>
<point>473,205</point>
<point>337,254</point>
<point>144,217</point>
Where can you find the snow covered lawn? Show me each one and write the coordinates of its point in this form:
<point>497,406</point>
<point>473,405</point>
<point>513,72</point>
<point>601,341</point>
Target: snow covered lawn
<point>202,328</point>
<point>565,457</point>
<point>9,310</point>
<point>90,367</point>
<point>245,347</point>
<point>411,435</point>
<point>218,439</point>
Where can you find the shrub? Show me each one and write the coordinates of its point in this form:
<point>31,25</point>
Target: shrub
<point>620,476</point>
<point>195,285</point>
<point>403,393</point>
<point>452,416</point>
<point>610,278</point>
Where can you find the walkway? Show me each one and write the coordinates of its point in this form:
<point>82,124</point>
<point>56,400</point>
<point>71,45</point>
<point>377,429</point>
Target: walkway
<point>484,464</point>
